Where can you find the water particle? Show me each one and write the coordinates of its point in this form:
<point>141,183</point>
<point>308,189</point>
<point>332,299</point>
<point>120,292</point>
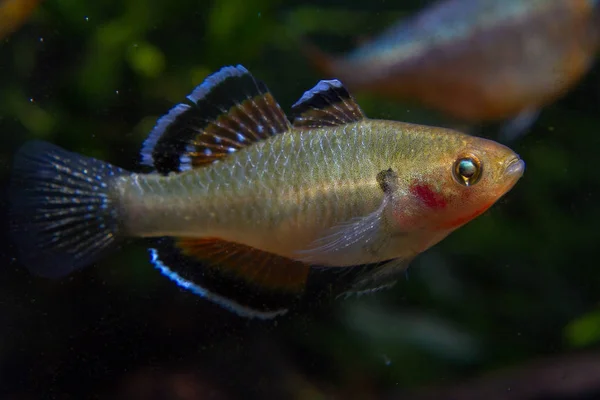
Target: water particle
<point>387,360</point>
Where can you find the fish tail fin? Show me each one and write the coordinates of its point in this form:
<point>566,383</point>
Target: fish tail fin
<point>62,214</point>
<point>320,60</point>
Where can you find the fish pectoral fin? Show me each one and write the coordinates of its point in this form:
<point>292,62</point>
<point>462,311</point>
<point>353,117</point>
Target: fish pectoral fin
<point>228,111</point>
<point>381,277</point>
<point>352,240</point>
<point>247,281</point>
<point>327,104</point>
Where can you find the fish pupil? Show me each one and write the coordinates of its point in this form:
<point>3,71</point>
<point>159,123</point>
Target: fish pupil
<point>467,168</point>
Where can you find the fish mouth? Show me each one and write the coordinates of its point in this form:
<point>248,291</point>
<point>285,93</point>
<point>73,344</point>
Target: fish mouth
<point>515,167</point>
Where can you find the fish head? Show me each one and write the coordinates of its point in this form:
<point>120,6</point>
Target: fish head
<point>460,178</point>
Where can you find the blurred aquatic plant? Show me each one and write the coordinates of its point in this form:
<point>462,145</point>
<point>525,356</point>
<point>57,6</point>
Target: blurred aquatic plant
<point>387,331</point>
<point>583,331</point>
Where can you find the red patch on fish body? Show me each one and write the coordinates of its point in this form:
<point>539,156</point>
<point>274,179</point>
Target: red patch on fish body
<point>429,197</point>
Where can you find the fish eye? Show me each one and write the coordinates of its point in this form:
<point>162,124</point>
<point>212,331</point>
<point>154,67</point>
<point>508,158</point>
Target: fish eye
<point>467,170</point>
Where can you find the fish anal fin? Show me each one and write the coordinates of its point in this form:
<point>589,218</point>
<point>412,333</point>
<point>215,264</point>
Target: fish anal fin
<point>247,282</point>
<point>255,267</point>
<point>230,110</point>
<point>327,104</point>
<point>185,275</point>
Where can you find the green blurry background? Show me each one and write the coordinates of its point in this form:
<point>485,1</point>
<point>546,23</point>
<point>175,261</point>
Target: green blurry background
<point>518,284</point>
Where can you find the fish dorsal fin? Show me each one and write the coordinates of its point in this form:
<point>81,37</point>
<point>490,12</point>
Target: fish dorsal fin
<point>327,104</point>
<point>228,111</point>
<point>247,281</point>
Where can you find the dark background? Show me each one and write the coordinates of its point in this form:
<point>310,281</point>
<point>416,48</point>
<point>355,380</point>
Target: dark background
<point>514,290</point>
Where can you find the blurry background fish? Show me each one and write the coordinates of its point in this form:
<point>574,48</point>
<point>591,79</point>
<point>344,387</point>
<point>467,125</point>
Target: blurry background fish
<point>477,60</point>
<point>13,13</point>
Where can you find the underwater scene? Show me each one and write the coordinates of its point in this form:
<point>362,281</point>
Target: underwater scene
<point>265,199</point>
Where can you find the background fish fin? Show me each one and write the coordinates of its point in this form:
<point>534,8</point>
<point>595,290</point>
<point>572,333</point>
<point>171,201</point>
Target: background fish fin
<point>467,128</point>
<point>249,282</point>
<point>62,214</point>
<point>353,236</point>
<point>228,111</point>
<point>381,277</point>
<point>320,60</point>
<point>519,125</point>
<point>327,104</point>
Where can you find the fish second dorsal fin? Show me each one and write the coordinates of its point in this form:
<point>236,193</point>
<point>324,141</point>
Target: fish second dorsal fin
<point>230,110</point>
<point>327,104</point>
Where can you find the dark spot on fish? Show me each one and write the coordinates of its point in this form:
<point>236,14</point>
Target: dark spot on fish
<point>387,180</point>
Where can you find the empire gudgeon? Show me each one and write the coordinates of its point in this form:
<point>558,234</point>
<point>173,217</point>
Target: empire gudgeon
<point>238,194</point>
<point>477,60</point>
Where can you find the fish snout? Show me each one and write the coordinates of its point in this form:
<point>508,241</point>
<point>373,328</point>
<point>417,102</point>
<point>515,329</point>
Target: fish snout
<point>515,167</point>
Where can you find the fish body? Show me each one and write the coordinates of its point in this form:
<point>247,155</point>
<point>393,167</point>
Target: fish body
<point>243,195</point>
<point>477,60</point>
<point>311,180</point>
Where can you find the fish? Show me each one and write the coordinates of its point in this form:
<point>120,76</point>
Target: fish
<point>241,204</point>
<point>476,61</point>
<point>14,13</point>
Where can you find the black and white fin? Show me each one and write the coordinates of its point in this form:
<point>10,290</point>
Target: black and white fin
<point>228,111</point>
<point>246,281</point>
<point>327,104</point>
